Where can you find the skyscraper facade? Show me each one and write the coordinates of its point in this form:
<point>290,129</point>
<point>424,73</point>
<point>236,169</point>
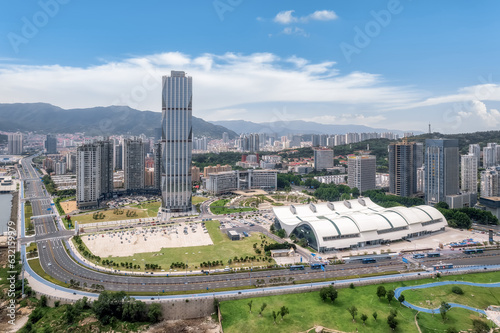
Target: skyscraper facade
<point>323,158</point>
<point>441,169</point>
<point>51,144</point>
<point>468,173</point>
<point>94,173</point>
<point>133,170</point>
<point>403,166</point>
<point>489,182</point>
<point>490,155</point>
<point>361,172</point>
<point>177,135</point>
<point>15,144</point>
<point>475,149</point>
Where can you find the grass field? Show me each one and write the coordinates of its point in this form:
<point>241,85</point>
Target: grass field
<point>196,200</point>
<point>219,207</point>
<point>222,249</point>
<point>151,208</point>
<point>307,310</point>
<point>110,216</point>
<point>478,297</point>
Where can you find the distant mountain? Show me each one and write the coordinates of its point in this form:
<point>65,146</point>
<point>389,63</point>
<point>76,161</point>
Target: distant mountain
<point>299,127</point>
<point>111,120</point>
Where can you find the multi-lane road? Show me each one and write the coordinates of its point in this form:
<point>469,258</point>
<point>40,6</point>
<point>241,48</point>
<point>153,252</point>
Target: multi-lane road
<point>56,261</point>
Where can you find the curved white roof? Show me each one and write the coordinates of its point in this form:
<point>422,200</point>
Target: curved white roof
<point>342,223</point>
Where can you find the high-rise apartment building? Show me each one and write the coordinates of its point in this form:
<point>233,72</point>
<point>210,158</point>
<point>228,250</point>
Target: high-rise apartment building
<point>158,165</point>
<point>94,173</point>
<point>51,144</point>
<point>489,182</point>
<point>225,137</point>
<point>15,144</point>
<point>441,169</point>
<point>490,155</point>
<point>118,156</point>
<point>475,149</point>
<point>469,173</point>
<point>403,166</point>
<point>323,158</point>
<point>361,172</point>
<point>134,168</point>
<point>60,168</point>
<point>177,136</point>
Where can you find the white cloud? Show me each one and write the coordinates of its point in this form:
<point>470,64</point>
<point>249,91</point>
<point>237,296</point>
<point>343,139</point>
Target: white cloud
<point>287,17</point>
<point>295,31</point>
<point>323,15</point>
<point>491,117</point>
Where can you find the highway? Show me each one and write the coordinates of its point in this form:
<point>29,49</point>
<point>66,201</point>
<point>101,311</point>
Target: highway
<point>56,261</point>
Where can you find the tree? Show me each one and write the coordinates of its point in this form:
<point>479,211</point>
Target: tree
<point>154,312</point>
<point>443,309</point>
<point>323,293</point>
<point>392,322</point>
<point>262,308</point>
<point>381,292</point>
<point>401,299</point>
<point>375,315</point>
<point>443,205</point>
<point>274,317</point>
<point>353,311</point>
<point>284,311</point>
<point>479,326</point>
<point>390,295</point>
<point>70,314</point>
<point>457,290</point>
<point>364,318</point>
<point>43,301</point>
<point>332,293</point>
<point>250,305</point>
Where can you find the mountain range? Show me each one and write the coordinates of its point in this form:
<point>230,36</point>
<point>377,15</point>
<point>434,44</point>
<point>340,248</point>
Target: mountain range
<point>45,118</point>
<point>299,127</point>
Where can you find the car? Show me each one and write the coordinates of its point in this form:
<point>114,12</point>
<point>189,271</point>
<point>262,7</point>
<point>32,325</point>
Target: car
<point>49,264</point>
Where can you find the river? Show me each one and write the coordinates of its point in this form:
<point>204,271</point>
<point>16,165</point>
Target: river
<point>5,207</point>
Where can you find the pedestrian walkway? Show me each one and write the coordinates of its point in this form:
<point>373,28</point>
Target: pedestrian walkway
<point>399,290</point>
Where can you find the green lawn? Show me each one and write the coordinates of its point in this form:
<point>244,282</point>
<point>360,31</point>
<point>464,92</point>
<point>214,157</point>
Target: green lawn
<point>461,319</point>
<point>196,200</point>
<point>150,207</point>
<point>478,297</point>
<point>110,216</point>
<point>222,249</point>
<point>219,207</point>
<point>28,213</point>
<point>307,310</point>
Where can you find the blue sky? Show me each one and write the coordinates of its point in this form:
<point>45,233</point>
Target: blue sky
<point>394,64</point>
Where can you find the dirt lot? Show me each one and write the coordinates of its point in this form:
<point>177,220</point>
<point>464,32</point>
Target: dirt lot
<point>201,325</point>
<point>68,206</point>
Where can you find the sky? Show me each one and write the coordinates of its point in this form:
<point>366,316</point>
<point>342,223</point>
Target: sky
<point>386,64</point>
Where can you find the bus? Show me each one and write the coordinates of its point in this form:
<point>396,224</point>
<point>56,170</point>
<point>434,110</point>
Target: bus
<point>418,256</point>
<point>297,267</point>
<point>369,261</point>
<point>317,266</point>
<point>472,251</point>
<point>433,255</point>
<point>442,266</point>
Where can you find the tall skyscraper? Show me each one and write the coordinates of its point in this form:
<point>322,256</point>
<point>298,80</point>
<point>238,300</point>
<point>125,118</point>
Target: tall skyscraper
<point>403,166</point>
<point>177,135</point>
<point>158,164</point>
<point>441,169</point>
<point>94,173</point>
<point>15,144</point>
<point>133,170</point>
<point>361,172</point>
<point>323,159</point>
<point>51,144</point>
<point>225,137</point>
<point>469,173</point>
<point>118,155</point>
